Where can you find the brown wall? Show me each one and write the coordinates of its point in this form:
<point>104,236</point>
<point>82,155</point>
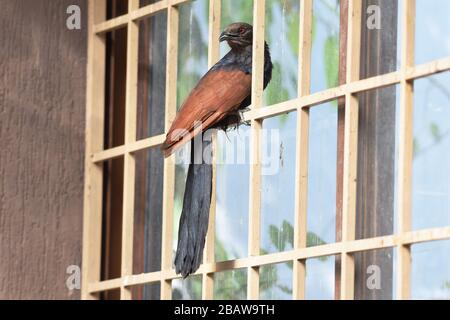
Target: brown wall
<point>42,119</point>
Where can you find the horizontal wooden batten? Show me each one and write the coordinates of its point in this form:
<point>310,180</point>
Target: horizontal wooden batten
<point>132,147</point>
<point>135,15</point>
<point>108,154</point>
<point>149,10</point>
<point>427,69</point>
<point>147,143</point>
<point>105,285</point>
<point>308,101</point>
<point>112,24</point>
<point>382,81</point>
<point>408,238</point>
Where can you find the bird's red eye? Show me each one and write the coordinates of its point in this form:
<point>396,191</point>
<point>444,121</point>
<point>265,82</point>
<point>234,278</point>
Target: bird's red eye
<point>241,30</point>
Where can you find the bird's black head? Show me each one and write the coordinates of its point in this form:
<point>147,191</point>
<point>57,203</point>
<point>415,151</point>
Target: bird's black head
<point>238,35</point>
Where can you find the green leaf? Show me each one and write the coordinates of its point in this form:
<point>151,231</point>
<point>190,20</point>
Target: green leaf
<point>290,264</point>
<point>269,277</point>
<point>274,234</point>
<point>447,285</point>
<point>331,60</point>
<point>435,132</point>
<point>220,251</point>
<point>285,289</point>
<point>312,240</point>
<point>314,29</point>
<point>288,233</point>
<point>275,92</point>
<point>293,33</point>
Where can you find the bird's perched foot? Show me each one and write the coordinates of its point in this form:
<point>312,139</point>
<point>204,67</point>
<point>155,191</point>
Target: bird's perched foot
<point>242,117</point>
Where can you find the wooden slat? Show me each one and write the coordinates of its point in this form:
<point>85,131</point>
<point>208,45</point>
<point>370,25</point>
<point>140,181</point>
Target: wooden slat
<point>254,221</point>
<point>306,101</point>
<point>132,147</point>
<point>135,15</point>
<point>408,238</point>
<point>151,142</point>
<point>169,163</point>
<point>213,57</point>
<point>106,285</point>
<point>301,164</point>
<point>328,95</point>
<point>108,154</point>
<point>112,24</point>
<point>406,149</point>
<point>95,117</point>
<point>305,47</point>
<point>350,149</point>
<point>342,77</point>
<point>416,72</point>
<point>129,160</point>
<point>149,10</point>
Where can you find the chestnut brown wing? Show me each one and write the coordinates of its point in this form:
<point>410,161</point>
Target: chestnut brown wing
<point>217,94</point>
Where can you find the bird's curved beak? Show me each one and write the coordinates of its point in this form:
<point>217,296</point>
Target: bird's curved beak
<point>224,36</point>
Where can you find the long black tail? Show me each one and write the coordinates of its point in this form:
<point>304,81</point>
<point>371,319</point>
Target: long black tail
<point>195,214</point>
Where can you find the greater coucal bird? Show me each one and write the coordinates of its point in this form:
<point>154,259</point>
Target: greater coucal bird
<point>214,103</point>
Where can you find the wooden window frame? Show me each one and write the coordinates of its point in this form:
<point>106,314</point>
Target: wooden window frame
<point>96,155</point>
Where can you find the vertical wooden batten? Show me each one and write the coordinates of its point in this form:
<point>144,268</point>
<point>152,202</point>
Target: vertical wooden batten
<point>129,161</point>
<point>213,57</point>
<point>93,189</point>
<point>169,163</point>
<point>406,149</point>
<point>350,149</point>
<point>254,221</point>
<point>302,146</point>
<point>343,33</point>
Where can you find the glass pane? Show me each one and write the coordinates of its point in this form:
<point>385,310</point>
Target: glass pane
<point>115,8</point>
<point>321,217</point>
<point>187,289</point>
<point>320,278</point>
<point>148,211</point>
<point>275,281</point>
<point>325,45</point>
<point>230,285</point>
<point>432,30</point>
<point>115,87</point>
<point>181,169</point>
<point>282,24</point>
<point>430,270</point>
<point>110,295</point>
<point>192,46</point>
<point>232,170</point>
<point>234,11</point>
<point>112,218</point>
<point>232,187</point>
<point>152,76</point>
<point>278,183</point>
<point>377,162</point>
<point>146,292</point>
<point>143,3</point>
<point>431,167</point>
